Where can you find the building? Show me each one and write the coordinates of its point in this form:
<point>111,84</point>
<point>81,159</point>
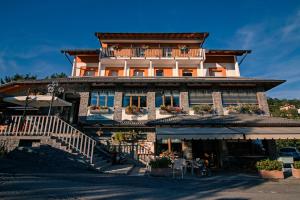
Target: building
<point>179,95</point>
<point>287,107</point>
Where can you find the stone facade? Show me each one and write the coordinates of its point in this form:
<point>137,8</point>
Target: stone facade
<point>151,105</point>
<point>84,102</point>
<point>9,144</point>
<point>217,100</point>
<point>118,106</point>
<point>263,103</point>
<point>184,101</point>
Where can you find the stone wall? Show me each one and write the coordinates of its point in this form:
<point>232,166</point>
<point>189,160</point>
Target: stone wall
<point>217,100</point>
<point>9,144</point>
<point>151,105</point>
<point>118,106</point>
<point>83,106</point>
<point>263,103</point>
<point>184,101</point>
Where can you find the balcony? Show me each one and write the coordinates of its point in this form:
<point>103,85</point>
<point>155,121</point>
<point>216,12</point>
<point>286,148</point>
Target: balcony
<point>152,52</point>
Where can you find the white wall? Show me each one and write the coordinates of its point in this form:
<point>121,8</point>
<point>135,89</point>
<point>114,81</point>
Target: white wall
<point>230,68</point>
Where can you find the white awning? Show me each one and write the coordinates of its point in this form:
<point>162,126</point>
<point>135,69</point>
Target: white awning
<point>269,132</point>
<point>251,133</point>
<point>37,101</point>
<point>197,133</point>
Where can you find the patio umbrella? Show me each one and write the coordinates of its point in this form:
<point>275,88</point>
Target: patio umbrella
<point>37,101</point>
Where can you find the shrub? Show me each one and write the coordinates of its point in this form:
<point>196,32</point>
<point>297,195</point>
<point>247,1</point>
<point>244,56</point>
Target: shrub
<point>269,165</point>
<point>297,164</point>
<point>163,162</point>
<point>132,110</point>
<point>203,109</point>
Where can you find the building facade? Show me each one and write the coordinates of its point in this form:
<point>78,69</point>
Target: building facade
<point>167,86</point>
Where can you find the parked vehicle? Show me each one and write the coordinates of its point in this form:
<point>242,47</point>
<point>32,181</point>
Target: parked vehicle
<point>291,152</point>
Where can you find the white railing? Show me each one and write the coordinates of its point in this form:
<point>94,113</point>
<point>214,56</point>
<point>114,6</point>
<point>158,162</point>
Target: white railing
<point>135,151</point>
<point>51,126</point>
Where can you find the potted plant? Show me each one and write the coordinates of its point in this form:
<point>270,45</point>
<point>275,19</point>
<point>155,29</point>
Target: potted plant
<point>133,110</point>
<point>203,109</point>
<point>99,109</point>
<point>164,110</point>
<point>270,169</point>
<point>296,169</point>
<point>160,166</point>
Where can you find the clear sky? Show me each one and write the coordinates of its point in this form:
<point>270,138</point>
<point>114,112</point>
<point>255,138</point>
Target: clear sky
<point>33,32</point>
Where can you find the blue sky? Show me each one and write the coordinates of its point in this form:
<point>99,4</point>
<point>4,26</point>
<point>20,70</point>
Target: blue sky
<point>33,32</point>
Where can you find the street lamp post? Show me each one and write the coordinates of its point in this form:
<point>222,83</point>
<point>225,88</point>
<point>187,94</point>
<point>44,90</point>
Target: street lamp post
<point>53,89</point>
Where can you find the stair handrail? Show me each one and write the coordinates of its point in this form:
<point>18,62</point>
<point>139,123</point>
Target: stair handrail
<point>51,126</point>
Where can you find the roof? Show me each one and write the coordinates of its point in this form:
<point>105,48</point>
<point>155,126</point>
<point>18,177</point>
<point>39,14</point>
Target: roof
<point>153,36</point>
<point>238,120</point>
<point>72,52</point>
<point>198,81</point>
<point>226,52</point>
<point>196,37</point>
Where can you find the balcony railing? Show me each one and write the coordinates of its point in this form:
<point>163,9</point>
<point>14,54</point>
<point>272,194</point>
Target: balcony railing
<point>151,52</point>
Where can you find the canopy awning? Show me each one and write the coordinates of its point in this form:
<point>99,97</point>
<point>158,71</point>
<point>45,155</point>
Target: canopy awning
<point>251,133</point>
<point>37,101</point>
<point>197,133</point>
<point>269,132</point>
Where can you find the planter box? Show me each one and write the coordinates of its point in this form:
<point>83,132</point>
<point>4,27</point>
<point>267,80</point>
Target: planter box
<point>161,172</point>
<point>100,111</point>
<point>296,172</point>
<point>274,174</point>
<point>165,112</point>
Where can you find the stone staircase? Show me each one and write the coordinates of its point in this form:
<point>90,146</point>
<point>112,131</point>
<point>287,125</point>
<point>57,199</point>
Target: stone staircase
<point>61,135</point>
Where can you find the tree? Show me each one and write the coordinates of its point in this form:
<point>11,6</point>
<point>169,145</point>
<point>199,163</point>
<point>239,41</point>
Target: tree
<point>17,77</point>
<point>57,75</point>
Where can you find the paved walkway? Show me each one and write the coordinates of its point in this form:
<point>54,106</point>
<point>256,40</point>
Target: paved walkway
<point>101,186</point>
<point>62,177</point>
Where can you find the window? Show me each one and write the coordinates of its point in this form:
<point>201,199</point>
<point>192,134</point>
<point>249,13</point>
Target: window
<point>187,72</point>
<point>167,98</point>
<point>232,97</point>
<point>139,52</point>
<point>197,97</point>
<point>167,52</point>
<point>113,73</point>
<point>102,98</point>
<point>138,73</point>
<point>89,73</point>
<point>138,101</point>
<point>159,72</point>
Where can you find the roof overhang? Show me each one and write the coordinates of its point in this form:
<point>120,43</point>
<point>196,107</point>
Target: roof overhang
<point>73,52</point>
<point>215,52</point>
<point>208,81</point>
<point>152,37</point>
<point>248,133</point>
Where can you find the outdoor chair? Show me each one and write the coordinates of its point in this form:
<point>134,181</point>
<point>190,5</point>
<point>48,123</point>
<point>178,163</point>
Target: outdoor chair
<point>179,165</point>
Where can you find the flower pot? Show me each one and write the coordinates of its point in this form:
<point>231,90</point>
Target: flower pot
<point>161,172</point>
<point>296,172</point>
<point>273,174</point>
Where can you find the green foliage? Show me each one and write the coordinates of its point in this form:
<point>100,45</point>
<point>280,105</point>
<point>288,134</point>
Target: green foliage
<point>287,143</point>
<point>118,137</point>
<point>130,136</point>
<point>57,75</point>
<point>297,164</point>
<point>269,165</point>
<point>203,109</point>
<point>275,104</point>
<point>163,162</point>
<point>17,77</point>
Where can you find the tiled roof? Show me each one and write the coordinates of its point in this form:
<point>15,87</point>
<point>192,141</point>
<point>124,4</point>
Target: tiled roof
<point>152,36</point>
<point>229,120</point>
